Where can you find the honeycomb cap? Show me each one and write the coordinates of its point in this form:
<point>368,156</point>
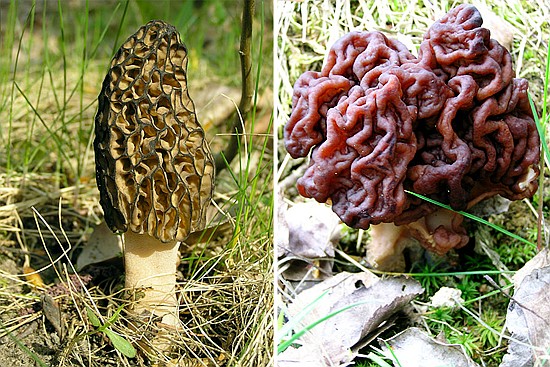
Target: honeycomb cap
<point>154,169</point>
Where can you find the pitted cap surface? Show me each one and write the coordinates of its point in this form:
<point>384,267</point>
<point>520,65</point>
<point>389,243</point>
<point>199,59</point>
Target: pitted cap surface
<point>154,168</point>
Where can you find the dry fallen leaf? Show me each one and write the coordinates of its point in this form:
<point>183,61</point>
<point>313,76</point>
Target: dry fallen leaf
<point>103,245</point>
<point>405,348</point>
<point>541,260</point>
<point>368,300</point>
<point>52,312</point>
<point>528,317</point>
<point>312,232</point>
<point>34,278</point>
<point>281,239</point>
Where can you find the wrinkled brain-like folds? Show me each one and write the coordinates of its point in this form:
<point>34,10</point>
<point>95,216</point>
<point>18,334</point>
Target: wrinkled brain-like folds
<point>154,167</point>
<point>452,124</point>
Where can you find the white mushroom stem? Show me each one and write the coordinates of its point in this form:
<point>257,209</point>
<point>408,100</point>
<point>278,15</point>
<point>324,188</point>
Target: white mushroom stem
<point>151,271</point>
<point>385,249</point>
<point>438,232</point>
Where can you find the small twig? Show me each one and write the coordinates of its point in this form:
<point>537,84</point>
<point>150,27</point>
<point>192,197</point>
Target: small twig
<point>224,158</point>
<point>488,327</point>
<point>494,284</point>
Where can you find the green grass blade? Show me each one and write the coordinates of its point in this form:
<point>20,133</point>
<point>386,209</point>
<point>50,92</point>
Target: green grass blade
<point>119,30</point>
<point>285,344</point>
<point>540,128</point>
<point>53,135</point>
<point>12,95</point>
<point>473,217</point>
<point>378,360</point>
<point>23,347</point>
<point>287,328</point>
<point>453,273</point>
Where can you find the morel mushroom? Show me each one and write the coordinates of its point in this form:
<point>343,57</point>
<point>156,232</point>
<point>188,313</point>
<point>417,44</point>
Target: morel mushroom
<point>452,124</point>
<point>154,168</point>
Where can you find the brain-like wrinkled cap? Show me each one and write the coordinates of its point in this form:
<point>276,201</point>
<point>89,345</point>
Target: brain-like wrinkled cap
<point>154,168</point>
<point>452,124</point>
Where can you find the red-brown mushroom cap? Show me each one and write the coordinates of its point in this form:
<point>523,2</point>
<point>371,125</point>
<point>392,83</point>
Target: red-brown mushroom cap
<point>452,124</point>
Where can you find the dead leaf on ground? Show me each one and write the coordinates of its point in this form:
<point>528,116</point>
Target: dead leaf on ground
<point>32,277</point>
<point>102,246</point>
<point>369,301</point>
<point>528,317</point>
<point>541,260</point>
<point>414,348</point>
<point>308,251</point>
<point>52,312</point>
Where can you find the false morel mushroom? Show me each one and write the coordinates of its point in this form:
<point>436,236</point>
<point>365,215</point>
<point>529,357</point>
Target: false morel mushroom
<point>154,168</point>
<point>452,124</point>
